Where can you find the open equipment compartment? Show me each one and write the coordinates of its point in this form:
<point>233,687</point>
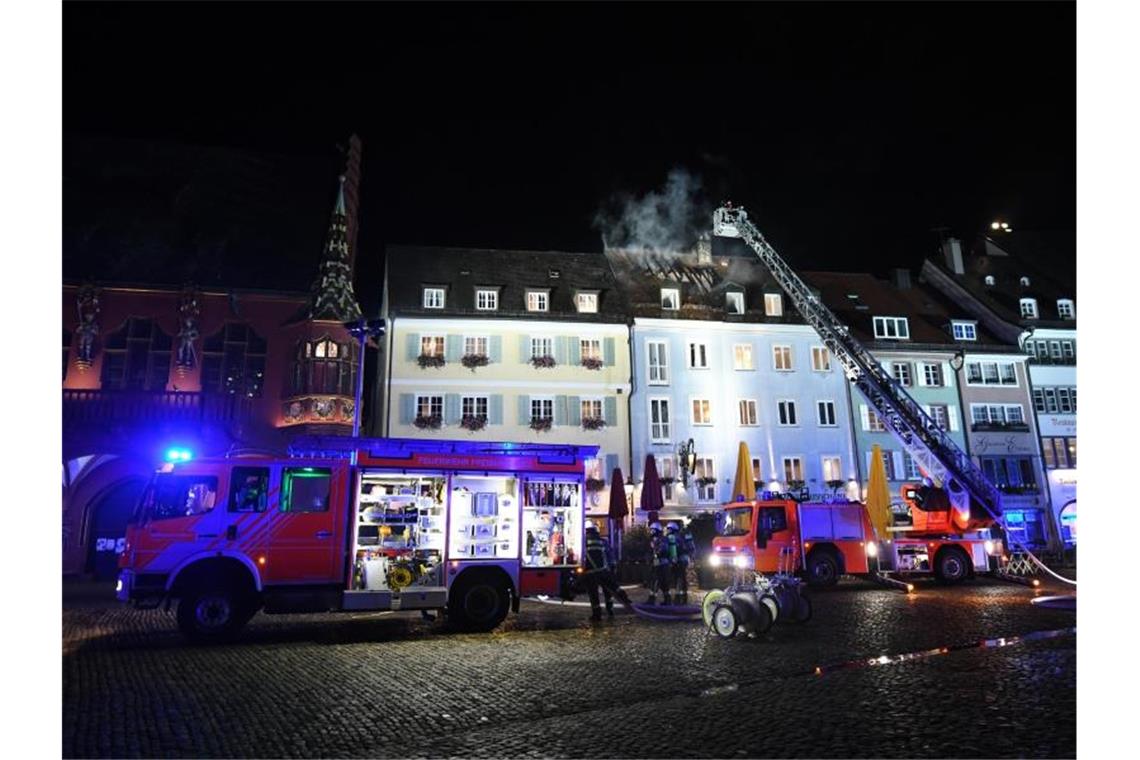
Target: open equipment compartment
<point>484,516</point>
<point>399,531</point>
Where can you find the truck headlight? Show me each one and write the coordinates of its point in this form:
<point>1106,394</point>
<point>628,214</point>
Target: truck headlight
<point>872,549</point>
<point>742,560</point>
<point>714,560</point>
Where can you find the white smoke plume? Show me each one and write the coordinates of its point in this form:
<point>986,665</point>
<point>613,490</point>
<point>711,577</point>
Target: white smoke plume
<point>667,220</point>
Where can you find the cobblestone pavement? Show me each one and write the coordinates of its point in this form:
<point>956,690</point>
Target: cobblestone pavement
<point>551,684</point>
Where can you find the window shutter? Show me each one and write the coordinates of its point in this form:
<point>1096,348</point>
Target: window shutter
<point>413,346</point>
<point>575,352</point>
<point>574,409</point>
<point>947,375</point>
<point>611,465</point>
<point>609,351</point>
<point>495,409</point>
<point>495,347</point>
<point>920,373</point>
<point>559,410</point>
<point>868,453</point>
<point>524,411</point>
<point>609,410</point>
<point>407,408</point>
<point>952,413</point>
<point>451,408</point>
<point>560,349</point>
<point>865,418</point>
<point>524,349</point>
<point>900,473</point>
<point>454,349</point>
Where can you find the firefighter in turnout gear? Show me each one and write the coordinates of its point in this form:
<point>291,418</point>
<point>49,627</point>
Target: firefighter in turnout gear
<point>677,563</point>
<point>687,552</point>
<point>660,550</point>
<point>598,570</point>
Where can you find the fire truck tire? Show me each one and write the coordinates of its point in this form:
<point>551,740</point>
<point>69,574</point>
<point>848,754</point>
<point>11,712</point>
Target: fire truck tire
<point>822,567</point>
<point>208,614</point>
<point>478,602</point>
<point>952,565</point>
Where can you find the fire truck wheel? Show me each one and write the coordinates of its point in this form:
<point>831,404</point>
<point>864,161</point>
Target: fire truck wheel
<point>212,614</point>
<point>478,603</point>
<point>951,565</point>
<point>823,568</point>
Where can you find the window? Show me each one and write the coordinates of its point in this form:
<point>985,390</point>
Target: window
<point>1067,400</point>
<point>875,422</point>
<point>832,469</point>
<point>820,359</point>
<point>997,414</point>
<point>591,409</point>
<point>747,411</point>
<point>432,345</point>
<point>137,357</point>
<point>658,364</point>
<point>233,361</point>
<point>940,413</point>
<point>305,489</point>
<point>590,348</point>
<point>757,470</point>
<point>742,356</point>
<point>889,464</point>
<point>486,300</point>
<point>892,328</point>
<point>474,406</point>
<point>249,489</point>
<point>429,406</point>
<point>932,374</point>
<point>964,330</point>
<point>793,469</point>
<point>325,366</point>
<point>670,299</point>
<point>659,419</point>
<point>475,345</point>
<point>1054,400</point>
<point>665,470</point>
<point>587,302</point>
<point>540,347</point>
<point>734,303</point>
<point>1068,349</point>
<point>1029,308</point>
<point>990,280</point>
<point>902,373</point>
<point>990,373</point>
<point>773,305</point>
<point>433,298</point>
<point>825,411</point>
<point>171,496</point>
<point>1060,453</point>
<point>787,412</point>
<point>698,356</point>
<point>703,470</point>
<point>1064,308</point>
<point>702,411</point>
<point>911,469</point>
<point>538,300</point>
<point>542,409</point>
<point>1010,473</point>
<point>782,358</point>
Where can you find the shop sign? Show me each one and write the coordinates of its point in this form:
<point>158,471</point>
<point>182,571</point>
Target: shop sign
<point>1057,425</point>
<point>1003,444</point>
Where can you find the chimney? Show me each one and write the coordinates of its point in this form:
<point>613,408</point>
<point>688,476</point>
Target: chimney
<point>952,250</point>
<point>704,249</point>
<point>901,278</point>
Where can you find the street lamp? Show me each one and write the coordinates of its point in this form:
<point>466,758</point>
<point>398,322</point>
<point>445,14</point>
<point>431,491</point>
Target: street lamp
<point>362,330</point>
<point>687,456</point>
<point>957,360</point>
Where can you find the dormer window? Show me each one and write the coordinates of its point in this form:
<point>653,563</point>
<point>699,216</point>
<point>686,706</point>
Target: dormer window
<point>1029,308</point>
<point>964,330</point>
<point>433,298</point>
<point>989,280</point>
<point>538,300</point>
<point>486,299</point>
<point>734,303</point>
<point>586,301</point>
<point>1064,308</point>
<point>1024,282</point>
<point>892,328</point>
<point>670,299</point>
<point>773,305</point>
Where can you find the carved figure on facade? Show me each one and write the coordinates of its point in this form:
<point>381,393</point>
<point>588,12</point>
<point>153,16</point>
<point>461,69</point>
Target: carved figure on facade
<point>188,312</point>
<point>87,302</point>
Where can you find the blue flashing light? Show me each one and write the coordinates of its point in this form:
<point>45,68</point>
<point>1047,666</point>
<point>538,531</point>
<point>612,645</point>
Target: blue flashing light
<point>178,455</point>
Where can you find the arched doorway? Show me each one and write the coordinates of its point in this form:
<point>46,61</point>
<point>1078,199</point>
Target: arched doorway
<point>108,527</point>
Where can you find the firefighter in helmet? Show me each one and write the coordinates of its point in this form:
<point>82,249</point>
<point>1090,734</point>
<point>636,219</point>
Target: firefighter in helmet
<point>677,563</point>
<point>598,570</point>
<point>687,552</point>
<point>659,548</point>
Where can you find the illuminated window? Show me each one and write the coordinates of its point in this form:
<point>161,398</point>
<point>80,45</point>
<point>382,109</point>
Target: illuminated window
<point>820,359</point>
<point>587,302</point>
<point>1064,308</point>
<point>874,422</point>
<point>832,469</point>
<point>703,470</point>
<point>433,298</point>
<point>659,419</point>
<point>670,299</point>
<point>773,305</point>
<point>702,411</point>
<point>747,411</point>
<point>793,469</point>
<point>658,363</point>
<point>475,345</point>
<point>742,356</point>
<point>782,358</point>
<point>590,348</point>
<point>137,357</point>
<point>734,303</point>
<point>1029,308</point>
<point>538,300</point>
<point>486,299</point>
<point>233,361</point>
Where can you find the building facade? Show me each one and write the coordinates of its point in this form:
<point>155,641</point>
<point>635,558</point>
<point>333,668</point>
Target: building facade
<point>509,346</point>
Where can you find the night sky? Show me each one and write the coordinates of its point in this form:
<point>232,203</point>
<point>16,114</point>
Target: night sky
<point>200,138</point>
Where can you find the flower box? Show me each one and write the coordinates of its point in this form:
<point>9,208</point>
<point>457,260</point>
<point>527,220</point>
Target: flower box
<point>471,361</point>
<point>705,481</point>
<point>428,422</point>
<point>430,360</point>
<point>542,362</point>
<point>541,424</point>
<point>473,421</point>
<point>590,362</point>
<point>593,423</point>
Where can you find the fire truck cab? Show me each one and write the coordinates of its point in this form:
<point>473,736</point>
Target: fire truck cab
<point>358,524</point>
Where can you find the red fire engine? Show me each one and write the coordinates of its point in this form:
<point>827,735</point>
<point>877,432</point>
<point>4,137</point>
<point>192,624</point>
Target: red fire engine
<point>358,524</point>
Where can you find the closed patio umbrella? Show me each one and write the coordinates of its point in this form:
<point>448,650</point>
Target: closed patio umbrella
<point>617,512</point>
<point>745,482</point>
<point>878,494</point>
<point>651,500</point>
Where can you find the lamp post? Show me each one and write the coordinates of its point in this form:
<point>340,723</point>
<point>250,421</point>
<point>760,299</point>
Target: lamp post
<point>362,330</point>
<point>957,360</point>
<point>687,456</point>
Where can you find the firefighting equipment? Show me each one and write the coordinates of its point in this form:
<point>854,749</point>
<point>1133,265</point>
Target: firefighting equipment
<point>399,575</point>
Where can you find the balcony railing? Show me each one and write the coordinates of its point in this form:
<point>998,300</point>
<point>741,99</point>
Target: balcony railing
<point>999,427</point>
<point>99,407</point>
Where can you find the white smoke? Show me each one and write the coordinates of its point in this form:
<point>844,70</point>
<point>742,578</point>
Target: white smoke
<point>667,220</point>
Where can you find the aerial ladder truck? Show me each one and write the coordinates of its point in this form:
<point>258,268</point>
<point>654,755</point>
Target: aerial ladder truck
<point>974,502</point>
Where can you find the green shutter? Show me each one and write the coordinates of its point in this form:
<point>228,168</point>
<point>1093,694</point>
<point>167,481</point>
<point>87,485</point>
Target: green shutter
<point>495,409</point>
<point>560,349</point>
<point>495,346</point>
<point>609,410</point>
<point>524,410</point>
<point>451,408</point>
<point>413,346</point>
<point>407,408</point>
<point>574,410</point>
<point>574,352</point>
<point>524,350</point>
<point>609,352</point>
<point>559,410</point>
<point>454,350</point>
